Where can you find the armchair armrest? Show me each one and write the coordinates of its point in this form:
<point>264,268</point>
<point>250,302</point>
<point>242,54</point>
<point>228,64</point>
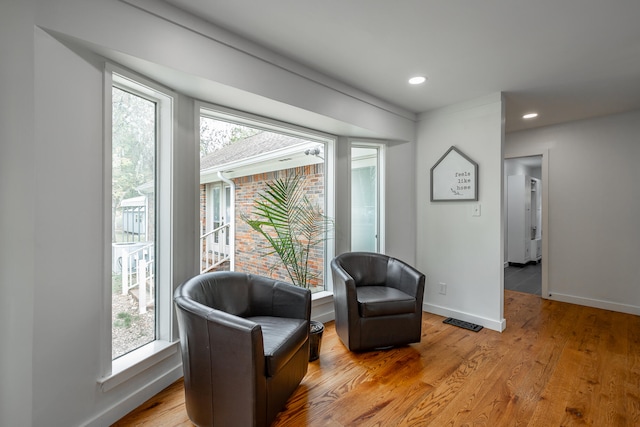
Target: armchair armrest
<point>404,277</point>
<point>207,324</point>
<point>235,338</point>
<point>291,301</point>
<point>344,290</point>
<point>279,299</point>
<point>222,349</point>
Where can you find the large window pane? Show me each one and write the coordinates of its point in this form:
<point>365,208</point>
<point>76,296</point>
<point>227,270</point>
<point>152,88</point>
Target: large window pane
<point>133,227</point>
<point>241,160</point>
<point>364,199</point>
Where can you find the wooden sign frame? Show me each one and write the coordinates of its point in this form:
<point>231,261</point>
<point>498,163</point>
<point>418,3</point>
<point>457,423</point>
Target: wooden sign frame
<point>454,177</point>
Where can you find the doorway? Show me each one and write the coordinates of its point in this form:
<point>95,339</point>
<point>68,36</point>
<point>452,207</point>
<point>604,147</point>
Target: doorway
<point>525,224</point>
<point>219,204</point>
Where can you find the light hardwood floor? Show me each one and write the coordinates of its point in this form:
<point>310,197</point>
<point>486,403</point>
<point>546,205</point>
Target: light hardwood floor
<point>556,364</point>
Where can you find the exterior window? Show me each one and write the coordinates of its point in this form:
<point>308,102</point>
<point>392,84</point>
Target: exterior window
<point>237,161</point>
<point>139,154</point>
<point>133,236</point>
<point>365,198</point>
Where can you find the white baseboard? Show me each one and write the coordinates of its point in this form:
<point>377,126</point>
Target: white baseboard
<point>328,317</point>
<point>322,308</point>
<point>604,305</point>
<point>494,325</point>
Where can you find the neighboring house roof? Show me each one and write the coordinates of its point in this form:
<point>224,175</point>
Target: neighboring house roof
<point>260,143</point>
<point>134,201</point>
<point>263,152</point>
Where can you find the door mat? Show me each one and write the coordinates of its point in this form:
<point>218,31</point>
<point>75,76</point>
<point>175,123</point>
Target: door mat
<point>462,324</point>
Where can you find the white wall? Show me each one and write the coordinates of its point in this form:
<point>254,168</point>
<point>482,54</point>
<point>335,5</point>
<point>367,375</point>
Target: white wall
<point>515,167</point>
<point>68,297</point>
<point>594,200</point>
<point>400,216</point>
<point>17,212</point>
<point>52,246</point>
<point>200,63</point>
<point>454,247</point>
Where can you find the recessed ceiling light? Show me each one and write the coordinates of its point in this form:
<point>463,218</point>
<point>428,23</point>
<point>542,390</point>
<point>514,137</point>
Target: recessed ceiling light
<point>417,80</point>
<point>530,116</point>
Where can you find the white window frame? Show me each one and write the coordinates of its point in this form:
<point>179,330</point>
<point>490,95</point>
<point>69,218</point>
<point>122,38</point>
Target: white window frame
<point>381,208</point>
<point>329,141</point>
<point>115,372</point>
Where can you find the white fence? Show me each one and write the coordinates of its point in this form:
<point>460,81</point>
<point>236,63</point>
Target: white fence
<point>136,264</point>
<point>137,271</point>
<point>215,248</point>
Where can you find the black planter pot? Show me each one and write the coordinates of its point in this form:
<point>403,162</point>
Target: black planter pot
<point>315,340</point>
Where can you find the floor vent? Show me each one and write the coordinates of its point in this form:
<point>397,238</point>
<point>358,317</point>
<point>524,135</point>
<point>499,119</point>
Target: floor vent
<point>462,324</point>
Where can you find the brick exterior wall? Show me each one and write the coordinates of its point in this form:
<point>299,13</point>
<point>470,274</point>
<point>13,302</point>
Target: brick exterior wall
<point>250,246</point>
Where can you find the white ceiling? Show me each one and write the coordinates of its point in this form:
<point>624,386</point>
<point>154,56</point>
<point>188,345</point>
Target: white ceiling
<point>566,59</point>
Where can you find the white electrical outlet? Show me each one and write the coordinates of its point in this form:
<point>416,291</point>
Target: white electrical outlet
<point>443,288</point>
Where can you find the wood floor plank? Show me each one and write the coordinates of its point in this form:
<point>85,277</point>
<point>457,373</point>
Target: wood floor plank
<point>555,364</point>
<point>632,371</point>
<point>165,409</point>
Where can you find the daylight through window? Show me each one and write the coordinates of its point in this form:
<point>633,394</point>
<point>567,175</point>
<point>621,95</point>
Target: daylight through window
<point>134,129</point>
<point>238,162</point>
<point>366,233</point>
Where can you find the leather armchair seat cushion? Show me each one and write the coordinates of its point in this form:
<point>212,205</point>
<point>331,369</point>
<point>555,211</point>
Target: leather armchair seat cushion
<point>376,301</point>
<point>282,338</point>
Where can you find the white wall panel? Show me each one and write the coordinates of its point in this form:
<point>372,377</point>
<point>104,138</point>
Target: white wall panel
<point>594,200</point>
<point>454,247</point>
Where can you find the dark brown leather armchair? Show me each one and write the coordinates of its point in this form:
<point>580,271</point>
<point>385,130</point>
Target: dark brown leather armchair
<point>245,346</point>
<point>377,300</point>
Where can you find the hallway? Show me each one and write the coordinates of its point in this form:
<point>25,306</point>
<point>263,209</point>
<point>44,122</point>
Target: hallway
<point>524,279</point>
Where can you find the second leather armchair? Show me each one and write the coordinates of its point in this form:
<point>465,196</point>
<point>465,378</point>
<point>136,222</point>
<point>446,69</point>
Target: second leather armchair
<point>377,300</point>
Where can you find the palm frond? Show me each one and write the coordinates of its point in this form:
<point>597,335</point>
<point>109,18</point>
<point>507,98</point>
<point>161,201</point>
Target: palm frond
<point>291,224</point>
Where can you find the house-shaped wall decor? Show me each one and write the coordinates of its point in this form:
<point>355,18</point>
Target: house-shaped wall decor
<point>454,177</point>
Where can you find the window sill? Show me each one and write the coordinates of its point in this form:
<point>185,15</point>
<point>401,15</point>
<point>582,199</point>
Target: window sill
<point>322,306</point>
<point>137,361</point>
<point>321,297</point>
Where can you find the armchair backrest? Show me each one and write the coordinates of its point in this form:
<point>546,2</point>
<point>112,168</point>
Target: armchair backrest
<point>226,292</point>
<point>244,295</point>
<point>365,268</point>
<point>373,269</point>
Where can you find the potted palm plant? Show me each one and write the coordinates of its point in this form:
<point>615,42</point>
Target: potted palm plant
<point>293,227</point>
